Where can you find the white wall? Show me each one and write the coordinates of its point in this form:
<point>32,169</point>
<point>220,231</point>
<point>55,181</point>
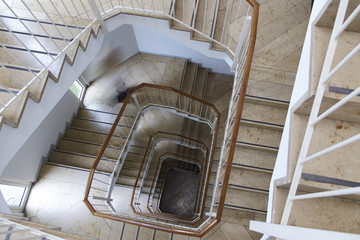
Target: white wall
<point>37,146</point>
<point>12,140</point>
<point>300,92</point>
<point>154,36</point>
<point>120,43</point>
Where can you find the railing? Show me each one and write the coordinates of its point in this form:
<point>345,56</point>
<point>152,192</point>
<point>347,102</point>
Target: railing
<point>14,230</point>
<point>330,75</point>
<point>100,187</point>
<point>62,32</point>
<point>151,153</point>
<point>75,17</point>
<point>242,64</point>
<point>157,173</point>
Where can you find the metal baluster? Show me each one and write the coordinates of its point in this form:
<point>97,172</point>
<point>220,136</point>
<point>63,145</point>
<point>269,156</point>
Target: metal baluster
<point>62,19</point>
<point>37,20</point>
<point>78,13</point>
<point>52,22</point>
<point>225,19</point>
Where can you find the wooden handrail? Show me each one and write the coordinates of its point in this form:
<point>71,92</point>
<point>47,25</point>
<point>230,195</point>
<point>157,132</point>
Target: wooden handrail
<point>239,108</point>
<point>240,105</point>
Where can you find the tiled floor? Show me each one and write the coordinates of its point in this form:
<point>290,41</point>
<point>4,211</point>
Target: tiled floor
<point>179,193</point>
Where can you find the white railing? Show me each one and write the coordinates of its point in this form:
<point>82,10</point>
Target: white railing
<point>152,154</point>
<point>328,77</point>
<point>101,184</point>
<point>13,230</point>
<point>67,29</point>
<point>67,20</point>
<point>241,55</point>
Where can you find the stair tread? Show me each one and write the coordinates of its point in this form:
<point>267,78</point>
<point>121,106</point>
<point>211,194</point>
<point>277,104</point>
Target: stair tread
<point>10,81</point>
<point>258,136</point>
<point>264,113</point>
<point>188,16</point>
<point>37,87</point>
<point>12,114</point>
<point>247,199</point>
<point>200,83</point>
<point>208,15</point>
<point>8,39</point>
<point>31,60</point>
<point>250,178</point>
<point>189,78</point>
<point>269,90</point>
<point>258,158</point>
<point>15,24</point>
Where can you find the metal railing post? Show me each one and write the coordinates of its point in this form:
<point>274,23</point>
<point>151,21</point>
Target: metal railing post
<point>98,16</point>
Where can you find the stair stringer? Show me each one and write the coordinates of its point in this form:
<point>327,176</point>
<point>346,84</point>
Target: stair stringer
<point>71,65</point>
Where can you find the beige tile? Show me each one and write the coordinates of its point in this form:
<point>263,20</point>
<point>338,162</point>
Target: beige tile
<point>297,33</point>
<point>275,51</point>
<point>272,9</point>
<point>266,74</point>
<point>218,234</point>
<point>234,232</point>
<point>289,78</point>
<point>278,26</point>
<point>116,229</point>
<point>145,234</point>
<point>291,62</point>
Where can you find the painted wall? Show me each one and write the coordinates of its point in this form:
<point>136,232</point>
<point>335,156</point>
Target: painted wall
<point>300,91</point>
<point>118,45</point>
<point>15,142</point>
<point>154,36</point>
<point>25,163</point>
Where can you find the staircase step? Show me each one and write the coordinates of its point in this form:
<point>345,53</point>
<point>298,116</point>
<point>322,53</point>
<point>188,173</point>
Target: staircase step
<point>321,211</point>
<point>189,78</point>
<point>331,171</point>
<point>103,116</point>
<point>10,81</point>
<point>264,113</point>
<point>268,90</point>
<point>258,136</point>
<point>78,160</point>
<point>250,178</point>
<point>252,157</point>
<point>187,15</point>
<point>205,19</point>
<point>99,126</point>
<point>8,39</point>
<point>24,58</point>
<point>200,83</point>
<point>92,136</point>
<point>247,199</point>
<point>35,28</point>
<point>12,114</point>
<point>87,148</point>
